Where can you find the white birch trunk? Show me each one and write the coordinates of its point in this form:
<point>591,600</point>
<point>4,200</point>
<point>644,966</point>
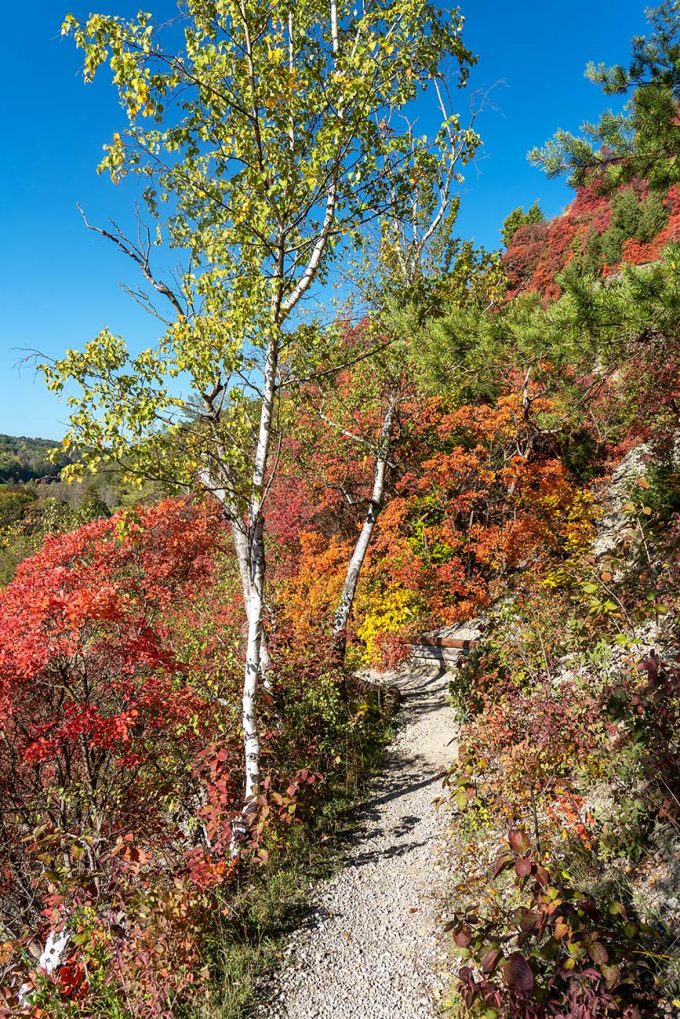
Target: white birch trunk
<point>251,739</point>
<point>243,558</point>
<point>50,958</point>
<point>254,589</point>
<point>356,562</point>
<point>255,599</point>
<point>241,548</point>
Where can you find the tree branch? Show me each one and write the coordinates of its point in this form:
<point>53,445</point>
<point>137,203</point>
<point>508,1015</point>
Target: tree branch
<point>140,256</point>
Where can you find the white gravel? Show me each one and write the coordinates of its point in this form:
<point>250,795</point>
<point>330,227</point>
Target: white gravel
<point>371,947</point>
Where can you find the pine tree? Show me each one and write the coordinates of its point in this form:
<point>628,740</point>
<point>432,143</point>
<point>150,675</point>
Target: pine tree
<point>641,141</point>
<point>517,218</point>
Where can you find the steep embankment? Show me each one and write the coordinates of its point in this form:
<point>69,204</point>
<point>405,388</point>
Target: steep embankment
<point>371,946</point>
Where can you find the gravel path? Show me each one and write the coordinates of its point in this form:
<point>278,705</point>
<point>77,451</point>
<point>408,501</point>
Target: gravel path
<point>370,947</point>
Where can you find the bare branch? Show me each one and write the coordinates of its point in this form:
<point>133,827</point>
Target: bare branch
<point>140,256</point>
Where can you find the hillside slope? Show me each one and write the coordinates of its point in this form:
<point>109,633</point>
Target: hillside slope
<point>25,459</point>
<point>597,233</point>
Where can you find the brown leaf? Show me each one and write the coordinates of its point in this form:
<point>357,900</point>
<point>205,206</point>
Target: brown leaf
<point>522,866</point>
<point>527,919</point>
<point>611,975</point>
<point>463,937</point>
<point>503,861</point>
<point>542,876</point>
<point>598,953</point>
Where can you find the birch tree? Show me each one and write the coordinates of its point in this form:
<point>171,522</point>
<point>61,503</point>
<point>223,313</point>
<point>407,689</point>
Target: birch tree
<point>259,133</point>
<point>416,253</point>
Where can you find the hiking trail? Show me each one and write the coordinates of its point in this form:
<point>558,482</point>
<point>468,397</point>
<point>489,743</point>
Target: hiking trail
<point>372,944</point>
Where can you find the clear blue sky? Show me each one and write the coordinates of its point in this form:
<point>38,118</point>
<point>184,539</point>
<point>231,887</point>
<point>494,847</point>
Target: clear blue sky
<point>59,282</point>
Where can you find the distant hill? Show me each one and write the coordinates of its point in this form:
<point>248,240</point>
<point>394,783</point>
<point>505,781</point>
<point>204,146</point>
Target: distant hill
<point>26,459</point>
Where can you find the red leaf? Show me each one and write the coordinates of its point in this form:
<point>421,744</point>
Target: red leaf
<point>491,960</point>
<point>522,867</point>
<point>519,841</point>
<point>463,937</point>
<point>517,974</point>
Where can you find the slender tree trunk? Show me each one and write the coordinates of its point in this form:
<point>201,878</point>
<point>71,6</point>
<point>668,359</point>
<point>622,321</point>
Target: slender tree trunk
<point>255,598</point>
<point>356,562</point>
<point>242,550</point>
<point>251,739</point>
<point>241,547</point>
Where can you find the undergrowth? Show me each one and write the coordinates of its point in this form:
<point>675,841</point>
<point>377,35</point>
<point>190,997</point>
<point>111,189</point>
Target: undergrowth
<point>566,827</point>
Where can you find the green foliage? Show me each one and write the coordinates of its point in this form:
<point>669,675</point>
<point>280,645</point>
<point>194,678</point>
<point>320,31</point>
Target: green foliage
<point>31,511</point>
<point>469,353</point>
<point>458,337</point>
<point>582,454</point>
<point>13,504</point>
<point>23,459</point>
<point>280,146</point>
<point>662,495</point>
<point>638,311</point>
<point>27,516</point>
<point>631,217</point>
<point>517,218</point>
<point>652,218</point>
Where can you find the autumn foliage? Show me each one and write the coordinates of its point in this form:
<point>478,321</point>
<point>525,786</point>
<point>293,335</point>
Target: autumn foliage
<point>121,648</point>
<point>598,232</point>
<point>479,493</point>
<point>102,723</point>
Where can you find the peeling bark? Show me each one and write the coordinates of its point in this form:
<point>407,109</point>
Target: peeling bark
<point>50,959</point>
<point>243,553</point>
<point>255,598</point>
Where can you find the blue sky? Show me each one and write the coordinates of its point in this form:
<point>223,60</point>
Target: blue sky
<point>60,282</point>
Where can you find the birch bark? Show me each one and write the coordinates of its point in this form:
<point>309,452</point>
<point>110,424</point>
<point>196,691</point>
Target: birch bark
<point>256,564</point>
<point>356,561</point>
<point>281,307</point>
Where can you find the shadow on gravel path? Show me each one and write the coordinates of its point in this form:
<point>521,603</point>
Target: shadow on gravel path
<point>370,946</point>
